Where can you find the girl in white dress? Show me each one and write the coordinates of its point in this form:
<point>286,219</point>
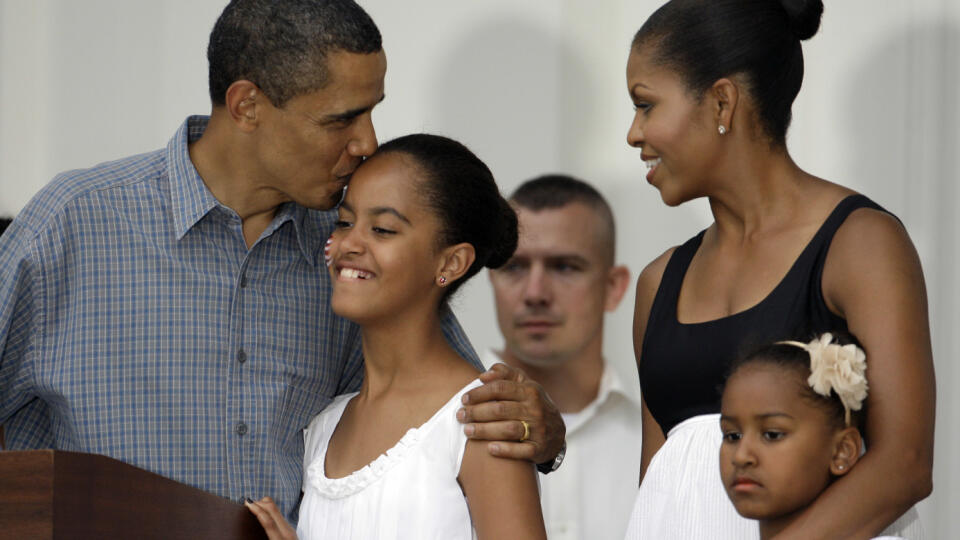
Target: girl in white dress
<point>391,462</point>
<point>791,419</point>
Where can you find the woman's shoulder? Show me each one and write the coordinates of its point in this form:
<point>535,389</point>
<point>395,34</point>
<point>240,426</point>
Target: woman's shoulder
<point>870,256</point>
<point>856,214</point>
<point>649,279</point>
<point>871,222</point>
<point>648,282</point>
<point>869,233</point>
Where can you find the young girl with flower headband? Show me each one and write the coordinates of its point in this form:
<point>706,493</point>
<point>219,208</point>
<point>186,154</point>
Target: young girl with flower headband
<point>791,415</point>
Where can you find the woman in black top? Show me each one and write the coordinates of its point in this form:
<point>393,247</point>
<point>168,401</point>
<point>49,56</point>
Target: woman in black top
<point>788,255</point>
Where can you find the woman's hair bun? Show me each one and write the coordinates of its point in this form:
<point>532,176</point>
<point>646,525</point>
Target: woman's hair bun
<point>804,16</point>
<point>506,236</point>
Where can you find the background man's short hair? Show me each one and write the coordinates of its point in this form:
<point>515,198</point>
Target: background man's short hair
<point>552,191</point>
<point>282,45</point>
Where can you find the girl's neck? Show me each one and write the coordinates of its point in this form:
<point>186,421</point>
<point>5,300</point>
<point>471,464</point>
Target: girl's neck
<point>399,354</point>
<point>769,528</point>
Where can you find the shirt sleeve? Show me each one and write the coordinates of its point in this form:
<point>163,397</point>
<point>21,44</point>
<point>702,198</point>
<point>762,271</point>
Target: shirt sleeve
<point>19,328</point>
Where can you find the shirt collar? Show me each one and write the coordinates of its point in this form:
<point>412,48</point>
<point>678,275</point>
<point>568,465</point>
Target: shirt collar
<point>191,200</point>
<point>305,223</point>
<point>189,197</point>
<point>612,386</point>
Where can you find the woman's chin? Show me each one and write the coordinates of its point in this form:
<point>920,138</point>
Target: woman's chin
<point>673,198</point>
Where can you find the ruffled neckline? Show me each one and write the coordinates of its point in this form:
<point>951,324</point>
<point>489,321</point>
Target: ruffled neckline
<point>337,488</point>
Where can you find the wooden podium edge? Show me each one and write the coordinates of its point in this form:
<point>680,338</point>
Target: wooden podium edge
<point>60,494</point>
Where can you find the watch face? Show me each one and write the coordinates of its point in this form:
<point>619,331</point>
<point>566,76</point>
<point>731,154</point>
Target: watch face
<point>559,459</point>
<point>554,464</point>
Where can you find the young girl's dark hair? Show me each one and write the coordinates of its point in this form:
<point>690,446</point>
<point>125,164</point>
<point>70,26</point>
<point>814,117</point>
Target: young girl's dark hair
<point>461,190</point>
<point>793,358</point>
<point>706,40</point>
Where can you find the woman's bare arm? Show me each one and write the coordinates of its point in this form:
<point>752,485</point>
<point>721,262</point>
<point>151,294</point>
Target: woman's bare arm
<point>873,279</point>
<point>502,495</point>
<point>647,284</point>
<point>652,440</point>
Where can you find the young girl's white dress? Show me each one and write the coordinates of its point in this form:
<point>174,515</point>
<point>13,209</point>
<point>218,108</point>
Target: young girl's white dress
<point>410,492</point>
<point>682,495</point>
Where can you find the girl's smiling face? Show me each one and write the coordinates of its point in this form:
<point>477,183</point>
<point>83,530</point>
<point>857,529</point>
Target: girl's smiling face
<point>384,253</point>
<point>780,449</point>
<point>675,131</point>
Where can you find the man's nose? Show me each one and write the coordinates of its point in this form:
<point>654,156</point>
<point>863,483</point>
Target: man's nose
<point>364,141</point>
<point>537,289</point>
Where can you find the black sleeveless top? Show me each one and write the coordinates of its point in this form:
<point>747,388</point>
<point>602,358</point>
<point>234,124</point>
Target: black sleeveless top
<point>682,366</point>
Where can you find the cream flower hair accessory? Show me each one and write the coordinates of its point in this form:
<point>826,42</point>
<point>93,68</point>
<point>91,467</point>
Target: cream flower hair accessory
<point>841,368</point>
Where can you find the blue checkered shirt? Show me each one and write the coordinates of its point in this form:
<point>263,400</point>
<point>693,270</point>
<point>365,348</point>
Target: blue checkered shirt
<point>135,323</point>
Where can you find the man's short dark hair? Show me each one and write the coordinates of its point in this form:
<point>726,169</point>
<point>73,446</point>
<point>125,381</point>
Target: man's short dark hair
<point>4,223</point>
<point>282,45</point>
<point>552,191</point>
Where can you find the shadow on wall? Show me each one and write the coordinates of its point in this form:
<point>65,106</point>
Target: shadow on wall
<point>518,95</point>
<point>507,89</point>
<point>904,112</point>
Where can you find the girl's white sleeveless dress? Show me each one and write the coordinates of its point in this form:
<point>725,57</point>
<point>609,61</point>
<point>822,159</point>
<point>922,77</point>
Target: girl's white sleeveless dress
<point>410,492</point>
<point>682,495</point>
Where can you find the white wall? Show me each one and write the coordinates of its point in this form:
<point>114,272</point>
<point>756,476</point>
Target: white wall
<point>532,87</point>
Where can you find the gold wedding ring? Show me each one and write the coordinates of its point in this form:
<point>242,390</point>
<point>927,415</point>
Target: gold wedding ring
<point>526,431</point>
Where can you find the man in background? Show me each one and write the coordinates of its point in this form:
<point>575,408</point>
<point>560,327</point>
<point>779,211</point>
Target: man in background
<point>551,298</point>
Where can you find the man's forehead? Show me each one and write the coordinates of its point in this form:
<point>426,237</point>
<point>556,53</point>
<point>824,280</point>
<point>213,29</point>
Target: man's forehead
<point>568,230</point>
<point>356,82</point>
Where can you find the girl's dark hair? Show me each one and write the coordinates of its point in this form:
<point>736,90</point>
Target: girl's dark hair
<point>461,190</point>
<point>706,40</point>
<point>793,358</point>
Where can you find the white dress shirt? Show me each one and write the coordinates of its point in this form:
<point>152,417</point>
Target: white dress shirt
<point>591,495</point>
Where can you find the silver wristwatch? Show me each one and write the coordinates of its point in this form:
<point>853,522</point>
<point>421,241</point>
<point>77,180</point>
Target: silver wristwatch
<point>554,464</point>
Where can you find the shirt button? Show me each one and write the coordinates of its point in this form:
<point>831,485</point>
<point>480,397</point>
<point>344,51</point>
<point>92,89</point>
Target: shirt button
<point>241,356</point>
<point>241,429</point>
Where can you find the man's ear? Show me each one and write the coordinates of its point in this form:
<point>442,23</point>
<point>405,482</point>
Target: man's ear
<point>455,261</point>
<point>242,101</point>
<point>847,446</point>
<point>618,279</point>
<point>725,98</point>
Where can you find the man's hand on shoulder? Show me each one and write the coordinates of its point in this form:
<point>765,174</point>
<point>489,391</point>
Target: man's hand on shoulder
<point>515,413</point>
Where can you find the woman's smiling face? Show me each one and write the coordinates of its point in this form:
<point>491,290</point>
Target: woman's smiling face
<point>385,252</point>
<point>674,130</point>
